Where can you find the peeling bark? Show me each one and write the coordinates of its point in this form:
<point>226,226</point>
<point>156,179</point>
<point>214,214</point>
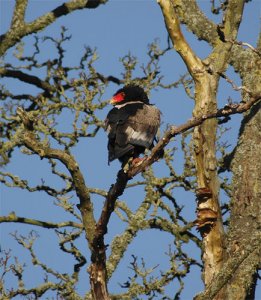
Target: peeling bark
<point>98,279</point>
<point>206,165</point>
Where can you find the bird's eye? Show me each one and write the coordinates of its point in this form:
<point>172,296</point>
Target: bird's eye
<point>119,97</point>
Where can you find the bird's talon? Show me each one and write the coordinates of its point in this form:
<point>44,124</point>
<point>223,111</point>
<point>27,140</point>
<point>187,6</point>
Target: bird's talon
<point>138,161</point>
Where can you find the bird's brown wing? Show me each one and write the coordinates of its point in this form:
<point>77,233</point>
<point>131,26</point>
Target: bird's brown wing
<point>130,126</point>
<point>140,129</point>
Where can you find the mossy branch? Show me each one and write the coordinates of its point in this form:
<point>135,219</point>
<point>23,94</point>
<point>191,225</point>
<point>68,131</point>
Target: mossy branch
<point>13,218</point>
<point>30,140</point>
<point>19,28</point>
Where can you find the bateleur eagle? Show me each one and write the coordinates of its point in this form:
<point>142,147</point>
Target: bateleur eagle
<point>131,125</point>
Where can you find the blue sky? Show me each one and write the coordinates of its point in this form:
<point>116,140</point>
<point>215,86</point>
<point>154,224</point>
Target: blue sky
<point>115,29</point>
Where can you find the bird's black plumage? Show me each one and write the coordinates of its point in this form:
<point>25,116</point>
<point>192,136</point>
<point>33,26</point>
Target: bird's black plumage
<point>132,124</point>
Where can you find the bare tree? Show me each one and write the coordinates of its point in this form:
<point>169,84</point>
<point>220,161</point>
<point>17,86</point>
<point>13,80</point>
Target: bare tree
<point>30,125</point>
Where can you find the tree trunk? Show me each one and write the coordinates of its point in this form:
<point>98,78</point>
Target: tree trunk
<point>209,214</point>
<point>244,229</point>
<point>98,281</point>
<point>206,78</point>
<point>245,223</point>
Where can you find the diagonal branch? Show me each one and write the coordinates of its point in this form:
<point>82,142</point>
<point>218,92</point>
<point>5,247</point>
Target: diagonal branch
<point>190,14</point>
<point>227,110</point>
<point>20,29</point>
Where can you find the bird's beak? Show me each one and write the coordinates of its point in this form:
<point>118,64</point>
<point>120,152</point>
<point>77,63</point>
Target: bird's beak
<point>112,101</point>
<point>117,98</point>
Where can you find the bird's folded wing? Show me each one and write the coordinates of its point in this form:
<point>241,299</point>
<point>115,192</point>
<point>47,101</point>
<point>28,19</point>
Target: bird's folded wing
<point>141,128</point>
<point>133,125</point>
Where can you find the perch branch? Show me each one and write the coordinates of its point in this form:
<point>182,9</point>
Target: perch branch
<point>229,109</point>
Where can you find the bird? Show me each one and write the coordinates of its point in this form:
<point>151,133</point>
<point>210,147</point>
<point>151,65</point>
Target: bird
<point>131,124</point>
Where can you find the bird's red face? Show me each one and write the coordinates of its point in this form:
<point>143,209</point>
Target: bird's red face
<point>118,98</point>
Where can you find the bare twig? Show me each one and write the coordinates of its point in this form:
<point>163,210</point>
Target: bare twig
<point>234,42</point>
<point>234,86</point>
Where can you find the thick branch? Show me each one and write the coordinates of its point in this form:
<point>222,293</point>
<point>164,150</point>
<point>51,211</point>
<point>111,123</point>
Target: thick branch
<point>98,273</point>
<point>191,15</point>
<point>192,62</point>
<point>30,140</point>
<point>28,79</point>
